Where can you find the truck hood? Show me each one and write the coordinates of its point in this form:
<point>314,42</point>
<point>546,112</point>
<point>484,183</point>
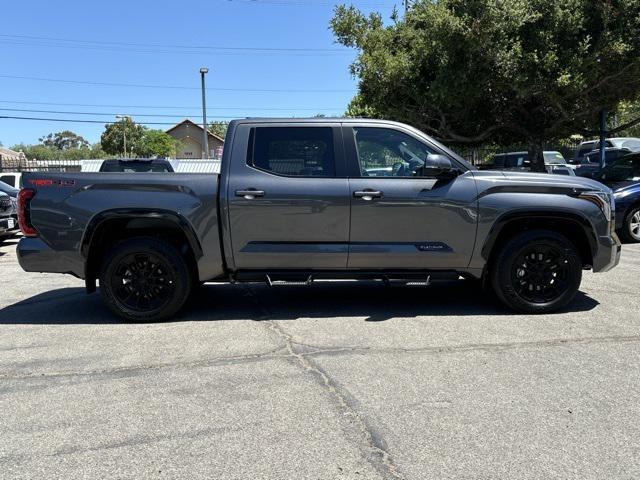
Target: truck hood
<point>541,179</point>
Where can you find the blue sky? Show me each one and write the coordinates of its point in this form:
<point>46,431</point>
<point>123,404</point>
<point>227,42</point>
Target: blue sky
<point>157,43</point>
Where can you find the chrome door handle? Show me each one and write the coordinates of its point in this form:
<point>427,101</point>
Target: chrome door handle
<point>250,193</point>
<point>367,194</point>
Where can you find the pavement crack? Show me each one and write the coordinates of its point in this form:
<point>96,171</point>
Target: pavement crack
<point>271,354</point>
<point>315,350</point>
<point>378,454</point>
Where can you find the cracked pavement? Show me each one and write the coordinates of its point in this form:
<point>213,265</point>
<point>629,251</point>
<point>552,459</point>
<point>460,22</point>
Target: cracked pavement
<point>337,380</point>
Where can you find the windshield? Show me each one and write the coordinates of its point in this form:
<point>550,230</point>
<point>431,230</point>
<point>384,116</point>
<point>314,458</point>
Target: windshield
<point>554,158</point>
<point>632,144</point>
<point>134,167</point>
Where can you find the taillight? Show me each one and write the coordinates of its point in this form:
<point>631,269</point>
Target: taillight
<point>24,216</point>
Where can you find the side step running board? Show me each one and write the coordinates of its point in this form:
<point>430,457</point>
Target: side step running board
<point>287,283</point>
<point>409,282</point>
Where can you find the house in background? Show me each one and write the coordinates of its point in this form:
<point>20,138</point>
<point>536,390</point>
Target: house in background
<point>189,134</point>
<point>10,159</point>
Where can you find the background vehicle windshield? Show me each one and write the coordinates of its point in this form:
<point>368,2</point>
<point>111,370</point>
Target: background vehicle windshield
<point>133,167</point>
<point>554,158</point>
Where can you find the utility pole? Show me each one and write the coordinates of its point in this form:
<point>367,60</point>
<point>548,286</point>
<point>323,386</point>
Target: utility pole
<point>124,132</point>
<point>406,6</point>
<point>603,134</point>
<point>205,136</point>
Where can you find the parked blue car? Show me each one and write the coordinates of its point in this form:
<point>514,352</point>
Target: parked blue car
<point>623,177</point>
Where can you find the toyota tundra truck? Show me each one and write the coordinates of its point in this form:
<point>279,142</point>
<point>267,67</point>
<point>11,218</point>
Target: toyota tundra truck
<point>305,199</point>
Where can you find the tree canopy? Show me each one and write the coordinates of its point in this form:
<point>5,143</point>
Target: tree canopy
<point>155,143</point>
<point>218,128</point>
<point>64,140</point>
<point>43,152</point>
<point>113,137</point>
<point>141,141</point>
<point>474,71</point>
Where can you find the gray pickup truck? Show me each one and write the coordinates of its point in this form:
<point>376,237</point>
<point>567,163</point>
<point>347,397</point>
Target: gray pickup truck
<point>300,200</point>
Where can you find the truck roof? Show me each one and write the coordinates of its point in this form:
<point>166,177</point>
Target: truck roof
<point>359,121</point>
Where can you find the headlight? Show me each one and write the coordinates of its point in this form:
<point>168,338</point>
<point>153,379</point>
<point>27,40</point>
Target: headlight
<point>604,201</point>
<point>14,205</point>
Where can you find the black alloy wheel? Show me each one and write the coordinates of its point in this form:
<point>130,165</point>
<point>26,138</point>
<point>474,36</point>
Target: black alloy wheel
<point>145,279</point>
<point>537,271</point>
<point>540,274</point>
<point>142,282</point>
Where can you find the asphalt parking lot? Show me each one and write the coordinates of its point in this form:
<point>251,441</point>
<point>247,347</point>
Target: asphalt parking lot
<point>338,380</point>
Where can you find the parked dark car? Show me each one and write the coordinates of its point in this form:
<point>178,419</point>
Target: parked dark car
<point>519,161</point>
<point>630,143</point>
<point>136,165</point>
<point>295,201</point>
<point>589,165</point>
<point>623,177</point>
<point>9,190</point>
<point>8,223</point>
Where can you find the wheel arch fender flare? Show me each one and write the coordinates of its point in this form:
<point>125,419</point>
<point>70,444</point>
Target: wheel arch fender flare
<point>100,219</point>
<point>511,217</point>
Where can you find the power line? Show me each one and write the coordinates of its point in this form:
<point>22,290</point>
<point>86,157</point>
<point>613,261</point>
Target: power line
<point>307,3</point>
<point>172,87</point>
<point>182,107</point>
<point>68,120</point>
<point>167,52</point>
<point>179,46</point>
<point>100,114</point>
<point>102,122</point>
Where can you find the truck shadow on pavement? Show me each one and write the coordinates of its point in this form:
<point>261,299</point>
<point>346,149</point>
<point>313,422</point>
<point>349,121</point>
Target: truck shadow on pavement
<point>373,301</point>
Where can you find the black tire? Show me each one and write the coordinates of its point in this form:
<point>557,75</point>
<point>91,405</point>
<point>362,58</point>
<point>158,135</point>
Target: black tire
<point>630,231</point>
<point>144,279</point>
<point>537,271</point>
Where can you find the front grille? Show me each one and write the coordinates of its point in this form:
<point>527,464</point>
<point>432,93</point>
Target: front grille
<point>5,204</point>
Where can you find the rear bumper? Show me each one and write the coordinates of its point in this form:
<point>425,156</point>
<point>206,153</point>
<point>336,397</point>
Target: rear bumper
<point>34,255</point>
<point>608,255</point>
<point>8,226</point>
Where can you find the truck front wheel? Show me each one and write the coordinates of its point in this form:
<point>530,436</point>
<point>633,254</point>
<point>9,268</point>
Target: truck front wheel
<point>537,271</point>
<point>144,279</point>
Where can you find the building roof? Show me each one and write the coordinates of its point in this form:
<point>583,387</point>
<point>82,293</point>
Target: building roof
<point>186,121</point>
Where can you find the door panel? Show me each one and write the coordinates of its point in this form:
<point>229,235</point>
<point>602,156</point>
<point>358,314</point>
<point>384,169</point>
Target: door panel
<point>416,223</point>
<point>289,220</point>
<point>409,222</point>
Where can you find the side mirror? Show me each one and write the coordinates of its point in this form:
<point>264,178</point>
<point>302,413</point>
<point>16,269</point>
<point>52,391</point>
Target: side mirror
<point>436,165</point>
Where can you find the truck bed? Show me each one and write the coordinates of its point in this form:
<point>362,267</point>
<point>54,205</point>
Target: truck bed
<point>68,207</point>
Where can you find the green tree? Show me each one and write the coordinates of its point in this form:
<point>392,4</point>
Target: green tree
<point>64,140</point>
<point>156,143</point>
<point>113,137</point>
<point>627,116</point>
<point>42,152</point>
<point>475,71</point>
<point>218,128</point>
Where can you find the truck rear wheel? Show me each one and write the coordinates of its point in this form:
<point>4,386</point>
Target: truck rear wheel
<point>144,279</point>
<point>538,271</point>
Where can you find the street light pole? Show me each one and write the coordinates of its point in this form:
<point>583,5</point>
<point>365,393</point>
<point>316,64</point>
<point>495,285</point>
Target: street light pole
<point>205,136</point>
<point>603,136</point>
<point>124,132</point>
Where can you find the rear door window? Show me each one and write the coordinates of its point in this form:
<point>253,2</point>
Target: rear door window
<point>293,151</point>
